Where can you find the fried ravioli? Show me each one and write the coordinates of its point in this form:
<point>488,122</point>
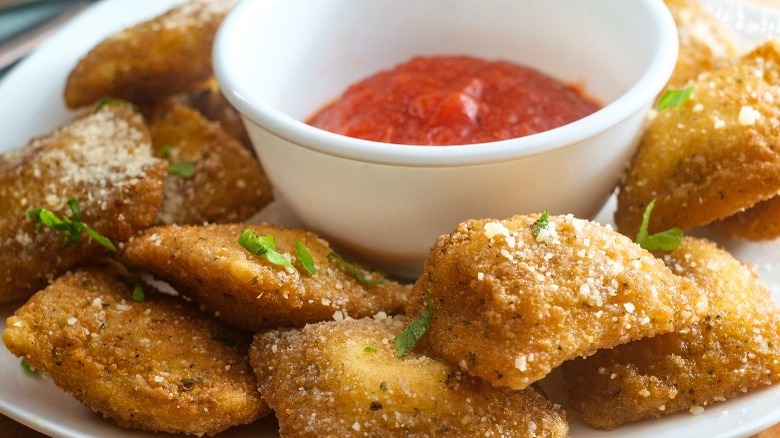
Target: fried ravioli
<point>168,54</point>
<point>249,291</point>
<point>734,349</point>
<point>705,43</point>
<point>220,181</point>
<point>102,160</point>
<point>759,222</point>
<point>513,299</point>
<point>344,379</point>
<point>158,365</point>
<point>713,156</point>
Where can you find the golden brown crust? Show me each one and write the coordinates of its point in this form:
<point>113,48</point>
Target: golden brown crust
<point>247,290</point>
<point>165,55</point>
<point>228,184</point>
<point>735,348</point>
<point>510,306</point>
<point>759,222</point>
<point>101,159</point>
<point>705,42</point>
<point>322,381</point>
<point>713,156</point>
<point>157,365</point>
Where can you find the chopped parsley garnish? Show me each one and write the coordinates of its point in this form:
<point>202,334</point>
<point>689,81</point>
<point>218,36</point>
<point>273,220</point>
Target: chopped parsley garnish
<point>383,386</point>
<point>70,228</point>
<point>674,98</point>
<point>304,256</point>
<point>28,368</point>
<point>114,101</point>
<point>182,169</point>
<point>542,223</point>
<point>138,292</point>
<point>668,240</point>
<point>357,273</point>
<point>369,349</point>
<point>263,246</point>
<point>415,330</point>
<point>166,151</point>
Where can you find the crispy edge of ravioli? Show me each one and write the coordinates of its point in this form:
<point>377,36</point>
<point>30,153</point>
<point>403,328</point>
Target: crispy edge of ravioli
<point>158,365</point>
<point>227,183</point>
<point>759,222</point>
<point>103,160</point>
<point>247,290</point>
<point>344,379</point>
<point>705,42</point>
<point>714,155</point>
<point>734,349</point>
<point>167,54</point>
<point>515,298</point>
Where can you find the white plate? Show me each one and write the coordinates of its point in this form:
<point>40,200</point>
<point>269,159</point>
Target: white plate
<point>31,104</point>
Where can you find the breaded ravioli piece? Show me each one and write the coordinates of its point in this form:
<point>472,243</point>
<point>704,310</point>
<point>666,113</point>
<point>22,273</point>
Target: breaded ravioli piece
<point>759,222</point>
<point>515,298</point>
<point>167,54</point>
<point>157,365</point>
<point>734,349</point>
<point>209,100</point>
<point>212,177</point>
<point>344,379</point>
<point>246,289</point>
<point>714,155</point>
<point>102,160</point>
<point>705,42</point>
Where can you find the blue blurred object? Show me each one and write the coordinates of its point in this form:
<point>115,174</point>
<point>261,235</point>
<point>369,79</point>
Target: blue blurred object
<point>24,25</point>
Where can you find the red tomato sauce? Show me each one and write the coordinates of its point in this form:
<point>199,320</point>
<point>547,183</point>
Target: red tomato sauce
<point>447,100</point>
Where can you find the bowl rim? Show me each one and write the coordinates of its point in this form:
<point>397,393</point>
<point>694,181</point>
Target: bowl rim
<point>638,97</point>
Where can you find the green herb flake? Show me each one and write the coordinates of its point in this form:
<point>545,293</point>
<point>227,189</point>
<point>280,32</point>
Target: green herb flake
<point>668,240</point>
<point>304,256</point>
<point>357,273</point>
<point>70,228</point>
<point>542,223</point>
<point>674,98</point>
<point>182,169</point>
<point>138,292</point>
<point>412,333</point>
<point>166,151</point>
<point>114,101</point>
<point>369,349</point>
<point>25,364</point>
<point>383,386</point>
<point>264,247</point>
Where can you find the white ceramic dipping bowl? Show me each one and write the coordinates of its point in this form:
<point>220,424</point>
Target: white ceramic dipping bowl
<point>279,61</point>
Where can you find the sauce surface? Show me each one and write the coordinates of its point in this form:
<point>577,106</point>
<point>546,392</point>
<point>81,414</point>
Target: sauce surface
<point>448,100</point>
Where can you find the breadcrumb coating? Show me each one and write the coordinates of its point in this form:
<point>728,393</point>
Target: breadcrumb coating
<point>344,379</point>
<point>168,54</point>
<point>247,290</point>
<point>735,348</point>
<point>103,160</point>
<point>158,365</point>
<point>513,299</point>
<point>712,156</point>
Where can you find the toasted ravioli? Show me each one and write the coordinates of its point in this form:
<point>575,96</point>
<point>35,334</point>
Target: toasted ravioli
<point>249,291</point>
<point>513,299</point>
<point>344,379</point>
<point>713,156</point>
<point>165,55</point>
<point>213,178</point>
<point>158,365</point>
<point>734,349</point>
<point>705,42</point>
<point>103,160</point>
<point>209,101</point>
<point>759,222</point>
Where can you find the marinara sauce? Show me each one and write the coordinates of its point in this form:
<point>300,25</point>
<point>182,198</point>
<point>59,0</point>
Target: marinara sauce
<point>447,100</point>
